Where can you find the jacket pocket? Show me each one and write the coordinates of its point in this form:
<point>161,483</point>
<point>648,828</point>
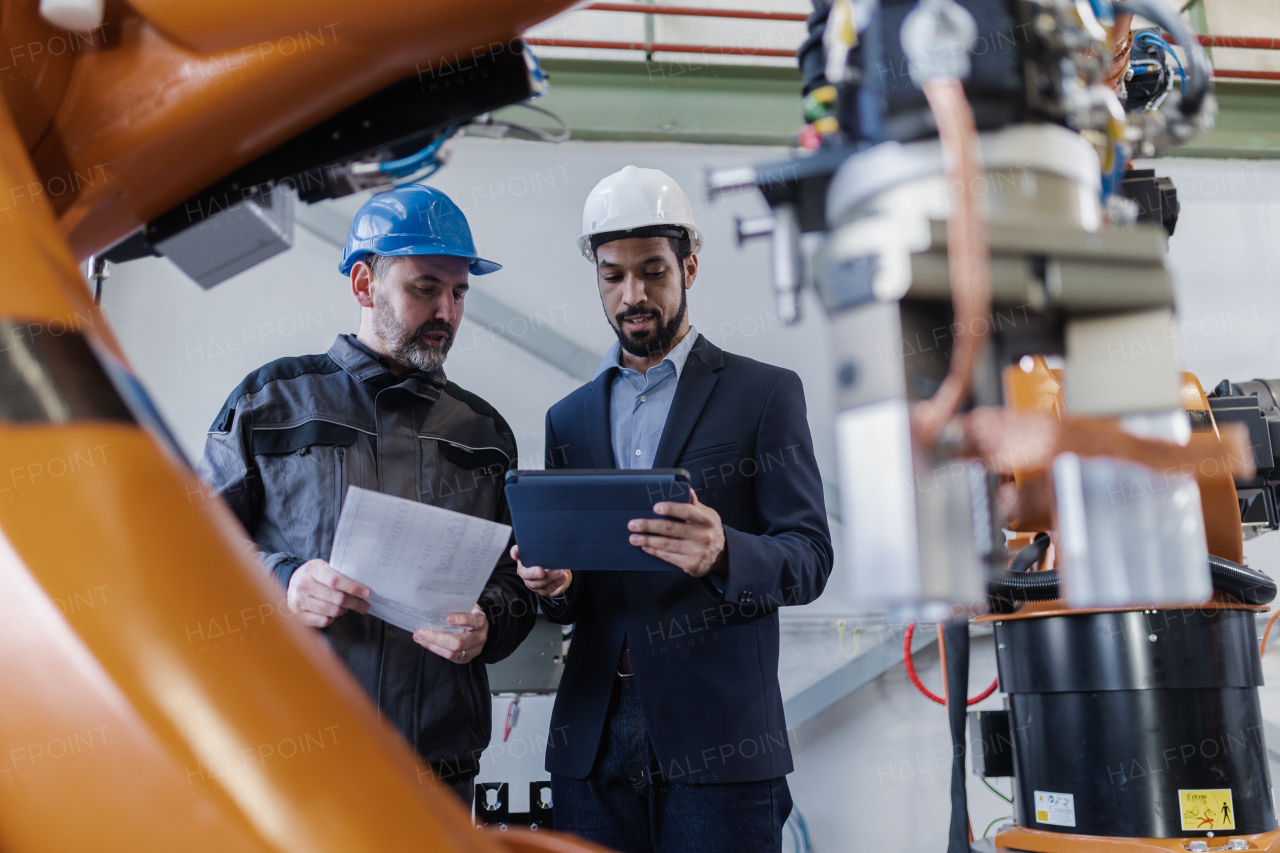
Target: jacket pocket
<point>712,468</point>
<point>303,473</point>
<point>463,478</point>
<point>703,452</point>
<point>288,440</point>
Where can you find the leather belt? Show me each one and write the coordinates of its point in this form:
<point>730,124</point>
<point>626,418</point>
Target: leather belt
<point>624,664</point>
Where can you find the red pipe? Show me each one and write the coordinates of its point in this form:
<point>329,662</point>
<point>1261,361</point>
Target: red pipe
<point>1246,75</point>
<point>697,13</point>
<point>764,51</point>
<point>915,679</point>
<point>1247,42</point>
<point>662,47</point>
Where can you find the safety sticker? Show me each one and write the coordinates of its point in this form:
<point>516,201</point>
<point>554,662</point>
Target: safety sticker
<point>1207,810</point>
<point>1055,809</point>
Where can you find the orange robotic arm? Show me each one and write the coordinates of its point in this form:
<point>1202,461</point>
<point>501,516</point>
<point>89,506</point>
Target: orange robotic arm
<point>157,696</point>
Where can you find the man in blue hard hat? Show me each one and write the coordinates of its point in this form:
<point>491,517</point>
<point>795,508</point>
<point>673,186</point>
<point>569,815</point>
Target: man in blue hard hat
<point>376,411</point>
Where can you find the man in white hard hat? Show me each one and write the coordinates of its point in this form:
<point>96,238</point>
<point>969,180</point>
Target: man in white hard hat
<point>669,733</point>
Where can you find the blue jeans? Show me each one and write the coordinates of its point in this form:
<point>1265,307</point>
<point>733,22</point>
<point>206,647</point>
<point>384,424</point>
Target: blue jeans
<point>620,806</point>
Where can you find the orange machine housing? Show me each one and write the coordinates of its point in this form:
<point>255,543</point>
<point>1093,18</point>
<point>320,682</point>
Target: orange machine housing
<point>157,696</point>
<point>1039,389</point>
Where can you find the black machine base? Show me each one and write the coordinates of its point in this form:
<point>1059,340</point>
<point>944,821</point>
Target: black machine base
<point>1140,723</point>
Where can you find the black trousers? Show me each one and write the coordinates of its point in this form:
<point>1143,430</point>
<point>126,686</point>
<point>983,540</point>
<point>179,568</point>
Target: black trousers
<point>627,805</point>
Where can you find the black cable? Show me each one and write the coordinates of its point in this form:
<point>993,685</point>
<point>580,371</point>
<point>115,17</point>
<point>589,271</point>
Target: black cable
<point>810,56</point>
<point>1008,589</point>
<point>955,637</point>
<point>1032,554</point>
<point>1198,73</point>
<point>1244,583</point>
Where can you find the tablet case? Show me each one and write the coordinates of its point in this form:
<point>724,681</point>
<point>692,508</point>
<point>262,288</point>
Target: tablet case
<point>577,518</point>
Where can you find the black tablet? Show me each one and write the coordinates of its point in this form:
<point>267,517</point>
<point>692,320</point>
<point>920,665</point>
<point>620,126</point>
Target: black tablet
<point>577,518</point>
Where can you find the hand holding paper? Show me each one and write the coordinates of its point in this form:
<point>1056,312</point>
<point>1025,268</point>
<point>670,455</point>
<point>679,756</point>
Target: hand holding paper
<point>462,646</point>
<point>421,563</point>
<point>318,594</point>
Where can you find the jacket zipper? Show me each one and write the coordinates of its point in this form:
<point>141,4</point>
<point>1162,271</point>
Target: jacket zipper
<point>340,479</point>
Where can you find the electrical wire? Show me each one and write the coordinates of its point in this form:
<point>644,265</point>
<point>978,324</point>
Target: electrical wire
<point>413,161</point>
<point>857,638</point>
<point>968,258</point>
<point>513,715</point>
<point>795,836</point>
<point>910,666</point>
<point>799,831</point>
<point>1199,73</point>
<point>1150,39</point>
<point>422,164</point>
<point>994,822</point>
<point>994,790</point>
<point>1267,632</point>
<point>499,129</point>
<point>1101,10</point>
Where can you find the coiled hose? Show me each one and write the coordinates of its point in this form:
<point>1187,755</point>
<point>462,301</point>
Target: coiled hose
<point>1007,589</point>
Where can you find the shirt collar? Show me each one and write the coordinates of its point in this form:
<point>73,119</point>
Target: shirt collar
<point>364,364</point>
<point>678,356</point>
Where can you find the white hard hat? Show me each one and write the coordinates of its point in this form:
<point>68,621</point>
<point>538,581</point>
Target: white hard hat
<point>636,198</point>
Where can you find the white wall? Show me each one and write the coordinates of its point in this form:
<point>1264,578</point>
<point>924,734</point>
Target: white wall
<point>1225,258</point>
<point>868,775</point>
<point>524,201</point>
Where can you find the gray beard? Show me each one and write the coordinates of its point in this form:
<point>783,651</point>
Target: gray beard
<point>403,342</point>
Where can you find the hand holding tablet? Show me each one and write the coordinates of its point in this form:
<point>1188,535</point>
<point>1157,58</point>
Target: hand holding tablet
<point>579,519</point>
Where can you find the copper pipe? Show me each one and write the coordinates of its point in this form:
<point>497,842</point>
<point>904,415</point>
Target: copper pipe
<point>968,257</point>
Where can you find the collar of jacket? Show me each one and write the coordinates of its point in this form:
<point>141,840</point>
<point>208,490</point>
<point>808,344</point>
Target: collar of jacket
<point>364,366</point>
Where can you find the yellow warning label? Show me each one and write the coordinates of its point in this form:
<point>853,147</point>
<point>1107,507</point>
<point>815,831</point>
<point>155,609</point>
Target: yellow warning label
<point>1207,810</point>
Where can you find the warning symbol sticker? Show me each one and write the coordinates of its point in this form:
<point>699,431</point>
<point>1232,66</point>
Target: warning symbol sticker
<point>1055,809</point>
<point>1207,810</point>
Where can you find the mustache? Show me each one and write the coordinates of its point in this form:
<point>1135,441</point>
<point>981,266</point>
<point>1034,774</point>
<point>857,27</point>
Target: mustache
<point>435,325</point>
<point>636,311</point>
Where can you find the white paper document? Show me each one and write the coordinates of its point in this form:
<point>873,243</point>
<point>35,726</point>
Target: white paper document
<point>420,562</point>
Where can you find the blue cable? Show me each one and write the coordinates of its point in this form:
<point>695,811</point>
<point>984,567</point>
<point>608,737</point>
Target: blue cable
<point>804,830</point>
<point>416,177</point>
<point>795,836</point>
<point>1168,48</point>
<point>405,165</point>
<point>799,831</point>
<point>1157,41</point>
<point>1111,180</point>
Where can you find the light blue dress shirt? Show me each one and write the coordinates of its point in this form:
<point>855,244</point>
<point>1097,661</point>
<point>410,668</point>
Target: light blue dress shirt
<point>640,402</point>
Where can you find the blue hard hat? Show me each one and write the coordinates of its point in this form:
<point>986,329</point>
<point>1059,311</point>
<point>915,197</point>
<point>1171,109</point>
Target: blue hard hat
<point>412,220</point>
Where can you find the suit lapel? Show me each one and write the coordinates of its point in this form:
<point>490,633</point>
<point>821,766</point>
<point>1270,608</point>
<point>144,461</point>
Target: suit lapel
<point>696,382</point>
<point>598,421</point>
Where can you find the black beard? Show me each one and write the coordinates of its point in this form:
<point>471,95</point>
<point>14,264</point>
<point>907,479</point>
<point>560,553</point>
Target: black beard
<point>404,346</point>
<point>660,341</point>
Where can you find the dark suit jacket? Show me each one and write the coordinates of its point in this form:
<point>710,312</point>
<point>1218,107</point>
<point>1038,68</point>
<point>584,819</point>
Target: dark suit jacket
<point>705,652</point>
